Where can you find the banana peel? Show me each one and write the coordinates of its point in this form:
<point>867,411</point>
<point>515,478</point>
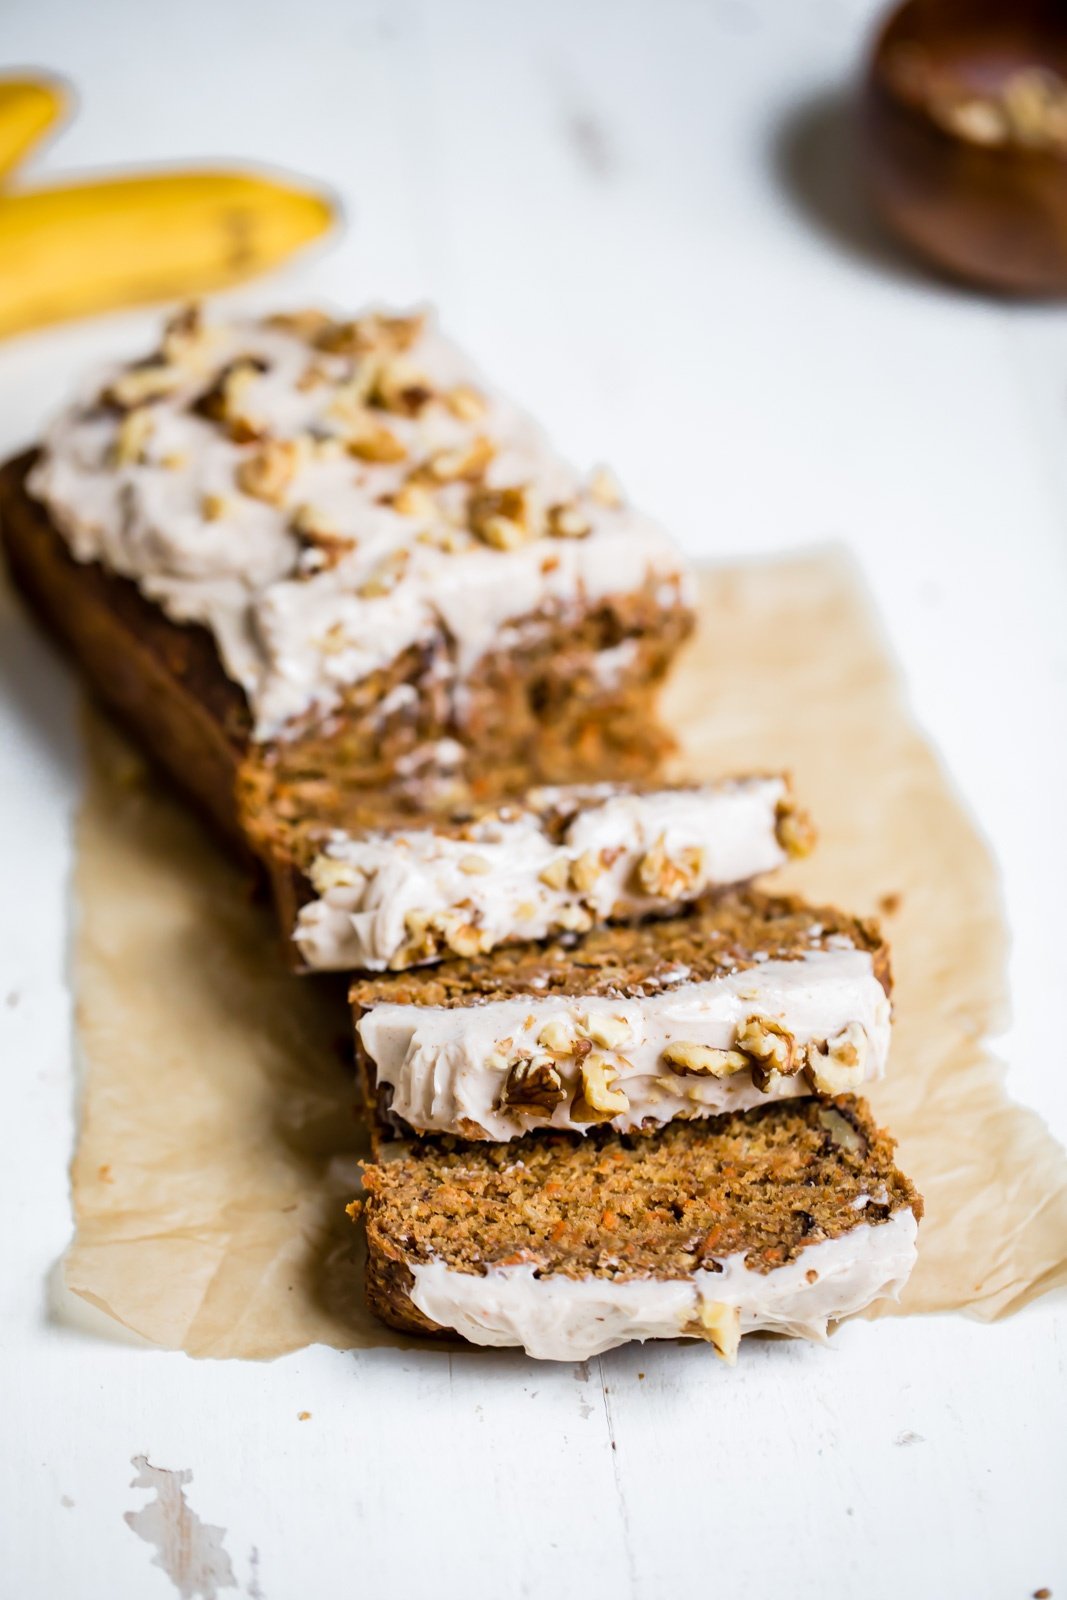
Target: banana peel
<point>72,250</point>
<point>29,108</point>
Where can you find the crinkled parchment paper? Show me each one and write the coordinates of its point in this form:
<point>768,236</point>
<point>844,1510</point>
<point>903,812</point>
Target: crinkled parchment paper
<point>220,1140</point>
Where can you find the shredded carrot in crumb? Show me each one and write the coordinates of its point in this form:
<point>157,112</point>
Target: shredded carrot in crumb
<point>608,1219</point>
<point>552,1186</point>
<point>557,1233</point>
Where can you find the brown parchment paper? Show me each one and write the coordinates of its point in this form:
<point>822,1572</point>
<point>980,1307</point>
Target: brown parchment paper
<point>219,1136</point>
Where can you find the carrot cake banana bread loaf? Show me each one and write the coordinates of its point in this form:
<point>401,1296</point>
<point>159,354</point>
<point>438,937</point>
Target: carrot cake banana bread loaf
<point>784,1218</point>
<point>297,554</point>
<point>747,999</point>
<point>561,859</point>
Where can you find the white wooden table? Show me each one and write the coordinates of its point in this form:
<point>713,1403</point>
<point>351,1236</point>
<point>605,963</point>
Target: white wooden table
<point>640,216</point>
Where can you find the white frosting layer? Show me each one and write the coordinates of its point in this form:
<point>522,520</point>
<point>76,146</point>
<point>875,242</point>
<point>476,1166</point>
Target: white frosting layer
<point>293,625</point>
<point>449,1065</point>
<point>556,1318</point>
<point>508,879</point>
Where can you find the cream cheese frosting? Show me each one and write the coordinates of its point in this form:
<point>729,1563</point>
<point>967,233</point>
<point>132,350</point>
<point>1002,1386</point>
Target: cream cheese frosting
<point>452,1066</point>
<point>557,1318</point>
<point>512,876</point>
<point>323,495</point>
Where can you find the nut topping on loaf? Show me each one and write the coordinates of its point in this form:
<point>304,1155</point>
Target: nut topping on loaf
<point>325,495</point>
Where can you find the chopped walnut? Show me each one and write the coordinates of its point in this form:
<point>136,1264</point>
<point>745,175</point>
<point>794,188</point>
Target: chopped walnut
<point>412,500</point>
<point>134,432</point>
<point>555,875</point>
<point>558,1036</point>
<point>139,385</point>
<point>574,919</point>
<point>464,462</point>
<point>704,1061</point>
<point>666,877</point>
<point>213,507</point>
<point>319,534</point>
<point>600,1093</point>
<point>794,830</point>
<point>466,403</point>
<point>183,334</point>
<point>611,1032</point>
<point>533,1086</point>
<point>267,473</point>
<point>308,324</point>
<point>720,1325</point>
<point>432,931</point>
<point>327,872</point>
<point>400,388</point>
<point>372,332</point>
<point>502,517</point>
<point>463,938</point>
<point>567,522</point>
<point>585,870</point>
<point>773,1051</point>
<point>223,400</point>
<point>841,1063</point>
<point>371,441</point>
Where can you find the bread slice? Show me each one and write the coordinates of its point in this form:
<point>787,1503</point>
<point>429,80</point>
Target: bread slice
<point>748,998</point>
<point>783,1218</point>
<point>299,557</point>
<point>559,859</point>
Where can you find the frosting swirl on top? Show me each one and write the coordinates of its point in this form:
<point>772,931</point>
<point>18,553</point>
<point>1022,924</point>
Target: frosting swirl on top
<point>322,495</point>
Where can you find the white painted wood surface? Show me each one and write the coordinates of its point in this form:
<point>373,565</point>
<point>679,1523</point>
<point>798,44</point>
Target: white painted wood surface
<point>640,216</point>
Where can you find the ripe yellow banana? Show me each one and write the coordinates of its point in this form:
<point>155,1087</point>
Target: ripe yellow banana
<point>28,108</point>
<point>82,248</point>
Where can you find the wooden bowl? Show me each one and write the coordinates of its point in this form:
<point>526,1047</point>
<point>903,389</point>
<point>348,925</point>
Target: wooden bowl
<point>964,138</point>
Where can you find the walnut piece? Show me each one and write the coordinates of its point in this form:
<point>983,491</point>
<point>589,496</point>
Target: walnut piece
<point>412,500</point>
<point>372,441</point>
<point>568,522</point>
<point>555,875</point>
<point>602,1097</point>
<point>213,507</point>
<point>463,938</point>
<point>465,462</point>
<point>267,473</point>
<point>573,919</point>
<point>772,1050</point>
<point>585,870</point>
<point>131,441</point>
<point>533,1087</point>
<point>841,1063</point>
<point>558,1036</point>
<point>502,518</point>
<point>666,877</point>
<point>137,385</point>
<point>794,830</point>
<point>466,403</point>
<point>704,1061</point>
<point>320,536</point>
<point>611,1032</point>
<point>720,1325</point>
